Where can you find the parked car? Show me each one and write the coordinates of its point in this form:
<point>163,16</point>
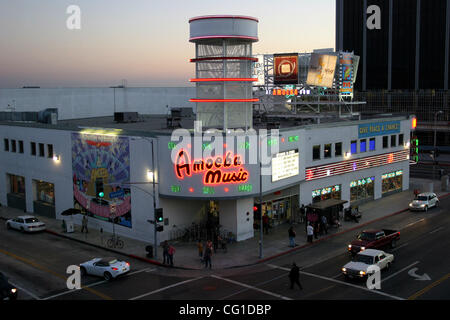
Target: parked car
<point>374,239</point>
<point>25,224</point>
<point>108,268</point>
<point>424,201</point>
<point>7,290</point>
<point>359,267</point>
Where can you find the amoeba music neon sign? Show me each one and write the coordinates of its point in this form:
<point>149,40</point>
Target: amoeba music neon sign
<point>218,170</point>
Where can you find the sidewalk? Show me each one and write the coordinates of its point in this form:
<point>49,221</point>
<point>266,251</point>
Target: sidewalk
<point>243,253</point>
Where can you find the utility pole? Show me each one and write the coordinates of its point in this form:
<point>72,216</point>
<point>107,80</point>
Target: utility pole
<point>154,203</point>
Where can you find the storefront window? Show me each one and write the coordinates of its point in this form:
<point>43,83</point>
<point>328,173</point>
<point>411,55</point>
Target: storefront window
<point>331,192</point>
<point>17,185</point>
<point>45,192</point>
<point>392,181</point>
<point>362,189</point>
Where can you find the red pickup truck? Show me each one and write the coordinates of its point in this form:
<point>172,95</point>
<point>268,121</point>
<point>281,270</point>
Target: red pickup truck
<point>374,239</point>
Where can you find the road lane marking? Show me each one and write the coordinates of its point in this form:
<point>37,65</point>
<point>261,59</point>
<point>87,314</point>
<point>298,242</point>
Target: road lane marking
<point>252,287</point>
<point>396,273</point>
<point>436,230</point>
<point>45,269</point>
<point>341,282</point>
<point>396,248</point>
<point>412,223</point>
<point>165,288</point>
<point>247,289</point>
<point>429,287</point>
<point>97,283</point>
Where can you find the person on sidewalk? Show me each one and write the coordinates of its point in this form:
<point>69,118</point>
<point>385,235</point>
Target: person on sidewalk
<point>302,214</point>
<point>200,249</point>
<point>294,276</point>
<point>170,253</point>
<point>165,252</point>
<point>84,224</point>
<point>208,254</point>
<point>292,235</point>
<point>324,224</point>
<point>310,232</point>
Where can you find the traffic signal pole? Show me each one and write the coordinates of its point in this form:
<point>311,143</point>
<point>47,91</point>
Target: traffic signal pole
<point>154,205</point>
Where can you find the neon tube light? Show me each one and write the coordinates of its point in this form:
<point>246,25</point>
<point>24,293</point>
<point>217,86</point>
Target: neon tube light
<point>221,79</point>
<point>223,100</point>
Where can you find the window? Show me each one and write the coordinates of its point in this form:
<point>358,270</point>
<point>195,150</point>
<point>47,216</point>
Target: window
<point>33,148</point>
<point>20,146</point>
<point>400,139</point>
<point>363,145</point>
<point>41,150</point>
<point>338,149</point>
<point>316,152</point>
<point>353,147</point>
<point>327,151</point>
<point>13,146</point>
<point>393,141</point>
<point>50,150</point>
<point>385,142</point>
<point>6,142</point>
<point>372,144</point>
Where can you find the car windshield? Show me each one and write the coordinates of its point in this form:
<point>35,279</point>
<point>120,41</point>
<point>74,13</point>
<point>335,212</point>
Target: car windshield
<point>112,261</point>
<point>422,198</point>
<point>368,236</point>
<point>31,220</point>
<point>364,259</point>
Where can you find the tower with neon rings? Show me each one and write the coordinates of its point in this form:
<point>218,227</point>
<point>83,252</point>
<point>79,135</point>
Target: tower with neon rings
<point>223,70</point>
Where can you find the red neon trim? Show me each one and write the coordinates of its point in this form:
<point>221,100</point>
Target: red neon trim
<point>224,36</point>
<point>224,58</point>
<point>223,100</point>
<point>223,17</point>
<point>222,79</point>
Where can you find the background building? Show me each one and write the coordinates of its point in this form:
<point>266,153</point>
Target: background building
<point>404,59</point>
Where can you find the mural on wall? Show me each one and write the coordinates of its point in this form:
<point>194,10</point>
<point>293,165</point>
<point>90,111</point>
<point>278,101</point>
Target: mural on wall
<point>101,173</point>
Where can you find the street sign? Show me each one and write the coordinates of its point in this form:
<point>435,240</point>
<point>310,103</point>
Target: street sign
<point>117,194</point>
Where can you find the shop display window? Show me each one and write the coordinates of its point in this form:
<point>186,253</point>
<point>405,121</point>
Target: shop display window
<point>392,181</point>
<point>45,192</point>
<point>331,192</point>
<point>362,189</point>
<point>16,185</point>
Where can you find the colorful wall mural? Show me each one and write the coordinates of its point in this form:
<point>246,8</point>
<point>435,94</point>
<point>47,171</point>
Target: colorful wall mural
<point>101,165</point>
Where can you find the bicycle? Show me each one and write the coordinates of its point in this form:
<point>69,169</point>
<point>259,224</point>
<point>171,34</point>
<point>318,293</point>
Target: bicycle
<point>115,242</point>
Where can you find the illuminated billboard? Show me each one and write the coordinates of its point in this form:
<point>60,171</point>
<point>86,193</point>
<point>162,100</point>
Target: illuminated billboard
<point>258,70</point>
<point>285,68</point>
<point>346,73</point>
<point>285,165</point>
<point>321,70</point>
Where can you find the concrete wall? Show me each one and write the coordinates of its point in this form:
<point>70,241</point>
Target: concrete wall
<point>75,103</point>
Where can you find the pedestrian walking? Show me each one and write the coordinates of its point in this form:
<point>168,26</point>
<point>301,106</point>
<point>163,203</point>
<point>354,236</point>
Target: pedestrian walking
<point>266,224</point>
<point>310,232</point>
<point>171,252</point>
<point>165,252</point>
<point>294,276</point>
<point>302,214</point>
<point>208,254</point>
<point>324,224</point>
<point>292,235</point>
<point>84,224</point>
<point>200,249</point>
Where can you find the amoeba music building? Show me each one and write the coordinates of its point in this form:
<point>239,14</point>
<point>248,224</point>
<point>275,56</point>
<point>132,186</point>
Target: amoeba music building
<point>48,168</point>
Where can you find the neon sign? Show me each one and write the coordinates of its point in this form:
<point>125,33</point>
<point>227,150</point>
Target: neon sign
<point>227,169</point>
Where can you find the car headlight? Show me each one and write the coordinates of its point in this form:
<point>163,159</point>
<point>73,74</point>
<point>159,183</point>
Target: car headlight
<point>362,273</point>
<point>363,248</point>
<point>422,205</point>
<point>13,290</point>
<point>349,246</point>
<point>343,269</point>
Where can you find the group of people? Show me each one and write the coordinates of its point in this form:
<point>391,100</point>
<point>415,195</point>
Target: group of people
<point>168,252</point>
<point>206,254</point>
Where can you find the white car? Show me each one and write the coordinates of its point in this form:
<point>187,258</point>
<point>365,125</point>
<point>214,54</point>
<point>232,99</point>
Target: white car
<point>25,224</point>
<point>359,267</point>
<point>424,201</point>
<point>108,268</point>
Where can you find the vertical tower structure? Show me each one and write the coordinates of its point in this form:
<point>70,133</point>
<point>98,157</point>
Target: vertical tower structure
<point>223,69</point>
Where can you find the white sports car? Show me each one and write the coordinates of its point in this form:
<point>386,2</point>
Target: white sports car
<point>108,268</point>
<point>25,224</point>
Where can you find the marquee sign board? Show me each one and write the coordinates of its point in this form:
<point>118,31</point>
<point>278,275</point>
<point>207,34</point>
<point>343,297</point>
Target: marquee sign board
<point>285,165</point>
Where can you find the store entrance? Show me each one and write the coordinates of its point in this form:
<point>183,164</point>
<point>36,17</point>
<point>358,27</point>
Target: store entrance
<point>279,211</point>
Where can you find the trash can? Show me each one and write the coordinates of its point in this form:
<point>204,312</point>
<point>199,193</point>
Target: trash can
<point>149,250</point>
<point>70,226</point>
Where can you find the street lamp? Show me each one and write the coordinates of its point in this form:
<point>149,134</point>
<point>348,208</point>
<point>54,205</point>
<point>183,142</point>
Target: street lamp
<point>434,143</point>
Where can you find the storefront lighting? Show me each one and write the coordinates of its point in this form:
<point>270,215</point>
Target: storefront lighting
<point>150,175</point>
<point>348,154</point>
<point>407,144</point>
<point>56,158</point>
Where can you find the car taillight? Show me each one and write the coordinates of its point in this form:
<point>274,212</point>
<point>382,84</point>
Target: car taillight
<point>127,264</point>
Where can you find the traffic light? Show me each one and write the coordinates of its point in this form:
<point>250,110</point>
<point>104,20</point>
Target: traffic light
<point>415,149</point>
<point>257,211</point>
<point>159,215</point>
<point>159,228</point>
<point>99,189</point>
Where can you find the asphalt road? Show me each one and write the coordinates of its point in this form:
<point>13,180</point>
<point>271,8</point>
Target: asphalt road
<point>36,264</point>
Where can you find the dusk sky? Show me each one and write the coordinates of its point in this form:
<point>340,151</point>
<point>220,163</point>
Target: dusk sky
<point>142,41</point>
